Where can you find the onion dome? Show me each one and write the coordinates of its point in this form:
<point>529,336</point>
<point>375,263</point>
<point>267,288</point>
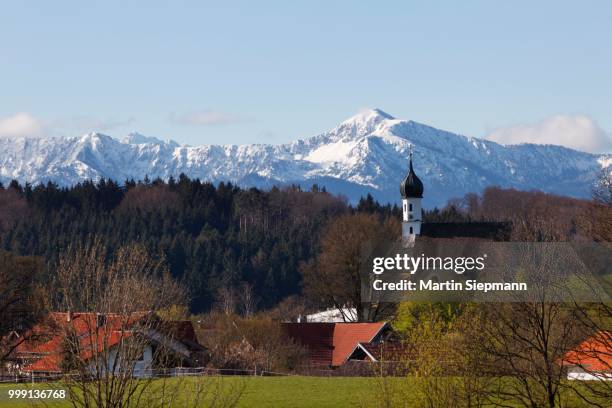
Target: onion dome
<point>411,186</point>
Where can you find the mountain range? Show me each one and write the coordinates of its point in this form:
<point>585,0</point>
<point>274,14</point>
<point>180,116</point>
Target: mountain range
<point>367,153</point>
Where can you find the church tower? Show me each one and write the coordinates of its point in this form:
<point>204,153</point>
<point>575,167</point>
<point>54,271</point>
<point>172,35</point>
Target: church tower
<point>411,189</point>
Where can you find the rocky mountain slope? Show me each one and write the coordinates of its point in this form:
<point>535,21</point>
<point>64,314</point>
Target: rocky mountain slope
<point>366,153</point>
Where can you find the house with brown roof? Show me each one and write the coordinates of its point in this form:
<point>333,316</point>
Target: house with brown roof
<point>90,337</point>
<point>331,344</point>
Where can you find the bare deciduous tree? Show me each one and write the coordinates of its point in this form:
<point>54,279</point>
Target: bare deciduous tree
<point>256,343</point>
<point>248,301</point>
<point>226,300</point>
<point>527,339</point>
<point>334,277</point>
<point>117,340</point>
<point>292,308</point>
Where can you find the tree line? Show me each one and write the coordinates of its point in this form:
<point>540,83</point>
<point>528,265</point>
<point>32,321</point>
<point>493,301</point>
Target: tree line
<point>215,237</point>
<point>211,236</point>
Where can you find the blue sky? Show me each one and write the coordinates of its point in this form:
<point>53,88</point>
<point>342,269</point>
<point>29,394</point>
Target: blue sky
<point>271,72</point>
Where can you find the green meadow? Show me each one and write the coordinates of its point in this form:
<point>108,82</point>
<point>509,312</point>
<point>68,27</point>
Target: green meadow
<point>294,391</point>
<point>291,391</point>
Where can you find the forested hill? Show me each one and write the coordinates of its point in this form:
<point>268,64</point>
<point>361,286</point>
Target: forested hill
<point>220,236</point>
<point>211,236</point>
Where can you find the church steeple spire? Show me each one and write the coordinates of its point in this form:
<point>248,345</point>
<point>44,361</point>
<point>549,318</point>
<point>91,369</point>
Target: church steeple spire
<point>411,189</point>
<point>411,186</point>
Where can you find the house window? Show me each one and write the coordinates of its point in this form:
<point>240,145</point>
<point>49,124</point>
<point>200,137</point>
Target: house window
<point>410,230</point>
<point>410,207</point>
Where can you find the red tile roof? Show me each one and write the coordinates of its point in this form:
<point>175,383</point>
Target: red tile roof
<point>347,335</point>
<point>318,338</point>
<point>331,344</point>
<point>593,354</point>
<point>44,344</point>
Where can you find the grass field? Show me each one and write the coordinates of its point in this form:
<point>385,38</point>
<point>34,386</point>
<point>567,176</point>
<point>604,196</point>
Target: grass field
<point>308,392</point>
<point>296,391</point>
<point>259,392</point>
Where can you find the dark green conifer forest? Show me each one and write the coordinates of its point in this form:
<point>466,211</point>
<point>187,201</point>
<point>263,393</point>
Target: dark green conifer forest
<point>211,236</point>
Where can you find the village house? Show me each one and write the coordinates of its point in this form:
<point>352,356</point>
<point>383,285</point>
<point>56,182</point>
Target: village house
<point>330,345</point>
<point>44,349</point>
<point>591,359</point>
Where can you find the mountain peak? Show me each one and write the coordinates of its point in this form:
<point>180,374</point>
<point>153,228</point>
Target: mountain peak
<point>369,115</point>
<point>137,138</point>
<point>366,121</point>
<point>94,136</point>
<point>382,113</point>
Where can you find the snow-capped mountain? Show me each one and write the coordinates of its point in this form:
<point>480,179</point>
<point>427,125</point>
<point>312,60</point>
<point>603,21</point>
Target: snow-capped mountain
<point>366,153</point>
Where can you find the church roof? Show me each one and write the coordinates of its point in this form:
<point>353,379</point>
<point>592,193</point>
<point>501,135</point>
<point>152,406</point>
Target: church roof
<point>495,231</point>
<point>411,186</point>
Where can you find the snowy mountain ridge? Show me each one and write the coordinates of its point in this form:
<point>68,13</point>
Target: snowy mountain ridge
<point>366,153</point>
